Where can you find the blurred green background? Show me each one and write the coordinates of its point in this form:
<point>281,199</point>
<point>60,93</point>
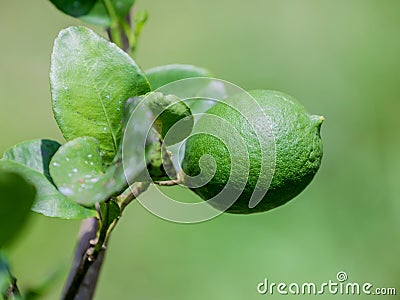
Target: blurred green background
<point>340,58</point>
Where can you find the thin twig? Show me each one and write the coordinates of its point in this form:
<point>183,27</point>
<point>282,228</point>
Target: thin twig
<point>168,182</point>
<point>90,252</point>
<point>177,181</point>
<point>81,283</point>
<point>130,194</point>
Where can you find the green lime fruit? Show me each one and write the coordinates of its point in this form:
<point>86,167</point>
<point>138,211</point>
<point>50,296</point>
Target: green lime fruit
<point>297,150</point>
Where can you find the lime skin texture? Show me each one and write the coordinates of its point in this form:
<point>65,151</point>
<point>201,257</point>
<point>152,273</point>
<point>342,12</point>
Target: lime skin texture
<point>297,151</point>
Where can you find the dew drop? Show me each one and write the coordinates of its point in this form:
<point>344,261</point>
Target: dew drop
<point>66,191</point>
<point>56,164</point>
<point>75,170</point>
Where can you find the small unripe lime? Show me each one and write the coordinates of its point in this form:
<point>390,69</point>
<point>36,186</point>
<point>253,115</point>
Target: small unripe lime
<point>297,149</point>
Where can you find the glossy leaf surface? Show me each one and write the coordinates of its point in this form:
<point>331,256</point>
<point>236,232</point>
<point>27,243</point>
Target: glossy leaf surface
<point>74,8</point>
<point>31,160</point>
<point>91,79</point>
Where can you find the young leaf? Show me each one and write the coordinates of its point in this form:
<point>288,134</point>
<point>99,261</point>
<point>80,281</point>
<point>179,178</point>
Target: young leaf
<point>99,16</point>
<point>162,75</point>
<point>138,131</point>
<point>35,154</point>
<point>139,143</point>
<point>77,167</point>
<point>170,110</point>
<point>16,199</point>
<point>31,160</point>
<point>74,8</point>
<point>159,164</point>
<point>77,171</point>
<point>139,20</point>
<point>91,79</point>
<point>159,76</point>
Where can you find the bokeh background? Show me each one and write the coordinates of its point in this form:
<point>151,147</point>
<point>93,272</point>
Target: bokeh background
<point>340,58</point>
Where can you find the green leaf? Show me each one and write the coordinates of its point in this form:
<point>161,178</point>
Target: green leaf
<point>77,170</point>
<point>139,20</point>
<point>91,79</point>
<point>16,199</point>
<point>74,8</point>
<point>77,167</point>
<point>159,76</point>
<point>89,184</point>
<point>31,160</point>
<point>140,140</point>
<point>151,157</point>
<point>35,154</point>
<point>78,173</point>
<point>163,75</point>
<point>169,110</point>
<point>99,16</point>
<point>159,164</point>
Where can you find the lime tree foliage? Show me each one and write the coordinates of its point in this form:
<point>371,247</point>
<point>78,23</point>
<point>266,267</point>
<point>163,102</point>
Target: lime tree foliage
<point>95,86</point>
